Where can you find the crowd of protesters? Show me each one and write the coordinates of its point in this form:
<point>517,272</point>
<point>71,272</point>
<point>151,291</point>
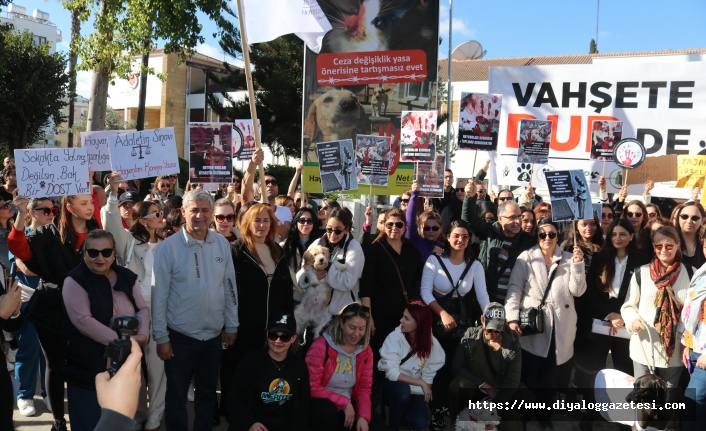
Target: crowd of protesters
<point>428,308</point>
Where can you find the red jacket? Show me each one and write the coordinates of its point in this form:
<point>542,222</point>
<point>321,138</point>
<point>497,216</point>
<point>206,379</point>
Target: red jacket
<point>320,374</point>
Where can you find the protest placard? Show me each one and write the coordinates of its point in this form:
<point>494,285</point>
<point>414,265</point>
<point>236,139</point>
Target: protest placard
<point>418,137</point>
<point>96,145</point>
<point>604,136</point>
<point>148,153</point>
<point>478,121</point>
<point>244,139</point>
<point>431,178</point>
<point>371,159</point>
<point>657,169</point>
<point>55,172</point>
<point>337,165</point>
<point>569,195</point>
<point>691,171</point>
<point>210,152</point>
<point>535,136</point>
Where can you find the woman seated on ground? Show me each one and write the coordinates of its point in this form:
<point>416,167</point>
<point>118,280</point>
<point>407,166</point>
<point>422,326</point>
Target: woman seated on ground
<point>270,387</point>
<point>410,358</point>
<point>341,373</point>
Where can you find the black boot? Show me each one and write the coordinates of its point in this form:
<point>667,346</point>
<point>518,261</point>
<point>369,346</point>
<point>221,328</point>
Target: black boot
<point>59,425</point>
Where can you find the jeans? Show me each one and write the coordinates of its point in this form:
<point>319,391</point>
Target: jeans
<point>403,404</point>
<point>202,359</point>
<point>84,410</point>
<point>29,358</point>
<point>695,399</point>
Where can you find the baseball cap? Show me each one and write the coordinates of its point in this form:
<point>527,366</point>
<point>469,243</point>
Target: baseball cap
<point>286,324</point>
<point>494,316</point>
<point>129,197</point>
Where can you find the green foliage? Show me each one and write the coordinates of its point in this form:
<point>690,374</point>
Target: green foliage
<point>113,121</point>
<point>593,48</point>
<point>277,76</point>
<point>33,84</point>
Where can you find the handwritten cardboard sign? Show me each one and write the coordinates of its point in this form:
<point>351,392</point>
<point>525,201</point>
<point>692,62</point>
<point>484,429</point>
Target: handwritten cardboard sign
<point>96,145</point>
<point>55,172</point>
<point>691,171</point>
<point>149,153</point>
<point>657,169</point>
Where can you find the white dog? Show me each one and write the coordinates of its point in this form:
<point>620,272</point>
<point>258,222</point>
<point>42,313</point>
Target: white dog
<point>313,308</point>
<point>477,420</point>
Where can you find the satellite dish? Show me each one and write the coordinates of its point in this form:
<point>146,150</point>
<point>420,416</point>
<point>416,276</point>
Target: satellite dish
<point>469,50</point>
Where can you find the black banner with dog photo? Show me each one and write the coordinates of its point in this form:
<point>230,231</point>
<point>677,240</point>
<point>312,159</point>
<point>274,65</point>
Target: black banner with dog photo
<point>379,59</point>
<point>569,195</point>
<point>337,166</point>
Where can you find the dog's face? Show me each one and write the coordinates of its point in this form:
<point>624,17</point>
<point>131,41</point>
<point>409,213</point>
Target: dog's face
<point>650,389</point>
<point>381,93</point>
<point>336,114</point>
<point>317,257</point>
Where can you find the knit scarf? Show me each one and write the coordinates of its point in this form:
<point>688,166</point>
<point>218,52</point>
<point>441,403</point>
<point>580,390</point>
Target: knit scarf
<point>668,306</point>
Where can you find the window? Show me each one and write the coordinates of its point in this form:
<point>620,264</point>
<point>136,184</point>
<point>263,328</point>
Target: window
<point>418,90</point>
<point>39,39</point>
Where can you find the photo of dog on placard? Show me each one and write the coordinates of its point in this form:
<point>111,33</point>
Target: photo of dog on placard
<point>604,136</point>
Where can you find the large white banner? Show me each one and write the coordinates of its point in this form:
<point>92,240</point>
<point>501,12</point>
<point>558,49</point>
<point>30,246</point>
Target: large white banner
<point>149,153</point>
<point>662,105</point>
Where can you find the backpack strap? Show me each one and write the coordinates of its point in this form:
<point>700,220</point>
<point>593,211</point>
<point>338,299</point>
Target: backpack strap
<point>406,358</point>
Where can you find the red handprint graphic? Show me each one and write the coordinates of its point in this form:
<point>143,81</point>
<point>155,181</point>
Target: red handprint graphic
<point>627,156</point>
<point>394,146</point>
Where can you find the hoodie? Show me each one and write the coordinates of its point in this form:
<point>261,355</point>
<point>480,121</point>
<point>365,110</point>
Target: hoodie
<point>397,348</point>
<point>470,362</point>
<point>343,378</point>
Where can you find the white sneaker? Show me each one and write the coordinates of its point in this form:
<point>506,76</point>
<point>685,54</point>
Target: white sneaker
<point>10,366</point>
<point>26,407</point>
<point>190,395</point>
<point>46,403</point>
<point>11,354</point>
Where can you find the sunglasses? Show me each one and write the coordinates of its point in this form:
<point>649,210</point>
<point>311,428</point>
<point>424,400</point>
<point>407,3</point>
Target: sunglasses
<point>222,218</point>
<point>357,308</point>
<point>336,231</point>
<point>93,253</point>
<point>462,237</point>
<point>481,191</point>
<point>503,199</point>
<point>306,221</point>
<point>686,217</point>
<point>270,182</point>
<point>634,215</point>
<point>171,177</point>
<point>404,201</point>
<point>431,228</point>
<point>544,235</point>
<point>272,336</point>
<point>460,190</point>
<point>48,211</point>
<point>128,205</point>
<point>236,180</point>
<point>653,215</point>
<point>397,224</point>
<point>158,214</point>
<point>608,216</point>
<point>659,247</point>
<point>6,206</point>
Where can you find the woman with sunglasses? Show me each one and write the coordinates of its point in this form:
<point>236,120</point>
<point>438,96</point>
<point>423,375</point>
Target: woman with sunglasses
<point>135,249</point>
<point>300,237</point>
<point>327,205</point>
<point>174,185</point>
<point>94,292</point>
<point>425,236</point>
<point>543,353</point>
<point>224,220</point>
<point>270,387</point>
<point>636,213</point>
<point>392,268</point>
<point>340,366</point>
<point>346,257</point>
<point>410,358</point>
<point>607,217</point>
<point>456,269</point>
<point>161,191</point>
<point>653,211</point>
<point>660,285</point>
<point>690,218</point>
<point>51,251</point>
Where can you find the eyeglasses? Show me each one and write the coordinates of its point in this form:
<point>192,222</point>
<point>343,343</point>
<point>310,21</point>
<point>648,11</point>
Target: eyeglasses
<point>270,182</point>
<point>336,231</point>
<point>158,214</point>
<point>404,201</point>
<point>659,247</point>
<point>48,211</point>
<point>512,218</point>
<point>503,199</point>
<point>306,221</point>
<point>431,228</point>
<point>653,215</point>
<point>221,218</point>
<point>686,217</point>
<point>93,253</point>
<point>544,235</point>
<point>481,191</point>
<point>609,216</point>
<point>272,336</point>
<point>463,237</point>
<point>397,224</point>
<point>6,206</point>
<point>634,215</point>
<point>357,308</point>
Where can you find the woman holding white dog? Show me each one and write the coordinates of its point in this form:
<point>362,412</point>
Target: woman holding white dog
<point>410,358</point>
<point>545,278</point>
<point>300,237</point>
<point>660,285</point>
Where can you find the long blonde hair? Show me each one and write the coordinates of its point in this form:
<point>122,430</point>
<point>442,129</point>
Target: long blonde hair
<point>354,309</point>
<point>246,223</point>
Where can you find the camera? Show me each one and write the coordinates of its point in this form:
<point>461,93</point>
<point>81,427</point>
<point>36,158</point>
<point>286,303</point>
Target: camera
<point>119,349</point>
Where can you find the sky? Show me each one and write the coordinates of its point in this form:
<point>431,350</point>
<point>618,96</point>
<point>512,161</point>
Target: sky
<point>512,28</point>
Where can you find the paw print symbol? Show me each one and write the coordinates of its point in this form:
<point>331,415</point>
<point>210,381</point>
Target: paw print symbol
<point>42,184</point>
<point>525,170</point>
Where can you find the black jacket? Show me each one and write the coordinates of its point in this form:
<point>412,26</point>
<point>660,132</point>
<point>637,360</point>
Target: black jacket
<point>51,262</point>
<point>259,299</point>
<point>83,356</point>
<point>243,394</point>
